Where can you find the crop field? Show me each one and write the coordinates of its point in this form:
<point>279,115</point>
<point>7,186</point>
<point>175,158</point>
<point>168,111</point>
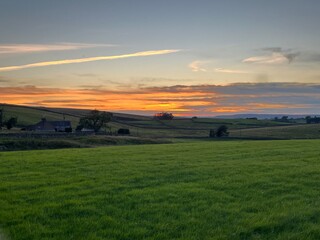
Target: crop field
<point>196,190</point>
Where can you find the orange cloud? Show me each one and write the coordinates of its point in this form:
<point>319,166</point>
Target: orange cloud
<point>199,100</point>
<point>101,99</point>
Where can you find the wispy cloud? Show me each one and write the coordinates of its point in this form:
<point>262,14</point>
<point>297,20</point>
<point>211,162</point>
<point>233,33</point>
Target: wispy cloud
<point>274,58</point>
<point>289,54</point>
<point>198,66</point>
<point>281,55</point>
<point>29,48</point>
<point>90,59</point>
<point>276,55</point>
<point>225,70</point>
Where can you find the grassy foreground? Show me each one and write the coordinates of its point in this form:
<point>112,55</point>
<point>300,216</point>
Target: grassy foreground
<point>204,190</point>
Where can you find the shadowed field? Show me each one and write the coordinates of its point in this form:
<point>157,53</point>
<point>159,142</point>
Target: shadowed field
<point>203,190</point>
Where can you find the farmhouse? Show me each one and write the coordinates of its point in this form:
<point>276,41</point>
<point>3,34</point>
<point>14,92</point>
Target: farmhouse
<point>51,126</point>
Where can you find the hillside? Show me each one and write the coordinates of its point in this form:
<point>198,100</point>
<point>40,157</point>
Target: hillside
<point>146,126</point>
<point>29,115</point>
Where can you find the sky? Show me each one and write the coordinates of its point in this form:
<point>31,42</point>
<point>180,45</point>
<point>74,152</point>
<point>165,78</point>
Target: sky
<point>191,58</point>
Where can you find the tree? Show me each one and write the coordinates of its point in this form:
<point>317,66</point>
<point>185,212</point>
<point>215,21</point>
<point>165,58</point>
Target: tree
<point>222,131</point>
<point>95,120</point>
<point>163,116</point>
<point>212,133</point>
<point>1,118</point>
<point>11,123</point>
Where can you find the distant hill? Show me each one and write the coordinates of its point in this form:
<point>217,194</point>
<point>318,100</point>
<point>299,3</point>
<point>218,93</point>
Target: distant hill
<point>28,115</point>
<point>264,116</point>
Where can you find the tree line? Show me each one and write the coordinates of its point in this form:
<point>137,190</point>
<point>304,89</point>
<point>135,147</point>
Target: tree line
<point>314,119</point>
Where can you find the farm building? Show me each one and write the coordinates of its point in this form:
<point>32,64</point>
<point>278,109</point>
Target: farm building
<point>51,126</point>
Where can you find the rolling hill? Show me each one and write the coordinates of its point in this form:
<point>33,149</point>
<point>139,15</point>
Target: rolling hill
<point>146,126</point>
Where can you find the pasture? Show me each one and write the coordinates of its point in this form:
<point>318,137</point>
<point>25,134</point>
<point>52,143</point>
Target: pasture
<point>195,190</point>
<point>147,127</point>
<point>299,131</point>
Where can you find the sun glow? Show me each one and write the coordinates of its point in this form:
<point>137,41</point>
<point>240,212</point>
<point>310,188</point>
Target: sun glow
<point>184,101</point>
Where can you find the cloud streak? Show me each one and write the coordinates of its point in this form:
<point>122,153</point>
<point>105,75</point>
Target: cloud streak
<point>30,48</point>
<point>274,58</point>
<point>225,70</point>
<point>90,59</point>
<point>277,56</point>
<point>197,66</point>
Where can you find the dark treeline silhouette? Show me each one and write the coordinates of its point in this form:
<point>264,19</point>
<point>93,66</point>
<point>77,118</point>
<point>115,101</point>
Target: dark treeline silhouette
<point>221,131</point>
<point>163,116</point>
<point>282,119</point>
<point>312,119</point>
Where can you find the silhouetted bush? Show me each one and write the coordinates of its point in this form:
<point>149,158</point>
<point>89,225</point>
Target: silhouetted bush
<point>222,131</point>
<point>12,122</point>
<point>124,131</point>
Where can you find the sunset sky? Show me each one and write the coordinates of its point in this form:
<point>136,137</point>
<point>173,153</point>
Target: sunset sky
<point>202,58</point>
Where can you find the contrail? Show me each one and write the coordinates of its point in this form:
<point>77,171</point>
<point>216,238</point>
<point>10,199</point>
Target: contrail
<point>90,59</point>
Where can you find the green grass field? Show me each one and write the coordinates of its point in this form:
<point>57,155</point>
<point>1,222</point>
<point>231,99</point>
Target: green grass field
<point>203,190</point>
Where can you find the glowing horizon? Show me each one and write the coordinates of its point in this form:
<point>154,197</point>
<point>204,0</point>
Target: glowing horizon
<point>198,100</point>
